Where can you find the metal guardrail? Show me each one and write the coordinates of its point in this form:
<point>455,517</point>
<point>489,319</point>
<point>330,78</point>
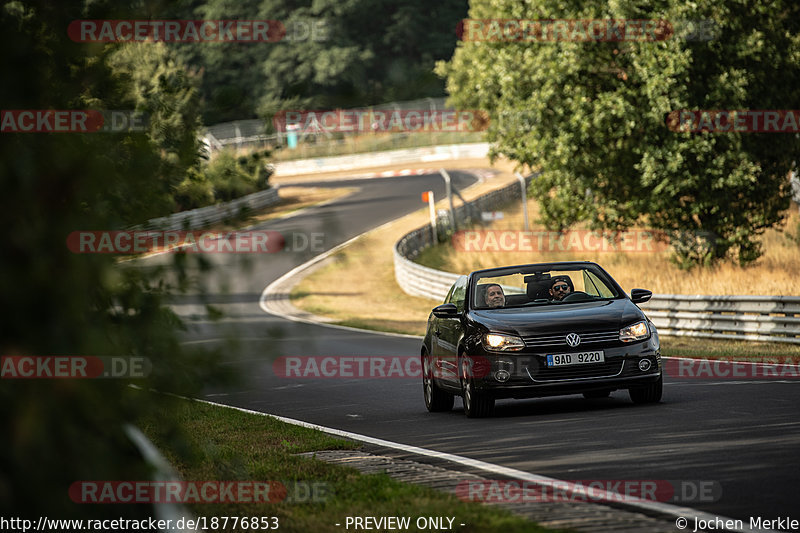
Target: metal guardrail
<point>383,158</point>
<point>162,471</point>
<point>419,280</point>
<point>753,318</point>
<point>750,318</point>
<point>252,132</point>
<point>239,133</point>
<point>212,214</point>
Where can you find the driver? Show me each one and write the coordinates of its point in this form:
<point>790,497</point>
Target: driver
<point>559,289</point>
<point>495,297</point>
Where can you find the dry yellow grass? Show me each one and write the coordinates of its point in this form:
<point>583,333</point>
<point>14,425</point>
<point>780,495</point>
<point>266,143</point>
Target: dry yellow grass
<point>366,268</point>
<point>372,298</point>
<point>777,272</point>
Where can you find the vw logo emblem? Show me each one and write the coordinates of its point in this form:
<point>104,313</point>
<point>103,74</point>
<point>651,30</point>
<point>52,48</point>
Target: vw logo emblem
<point>573,339</point>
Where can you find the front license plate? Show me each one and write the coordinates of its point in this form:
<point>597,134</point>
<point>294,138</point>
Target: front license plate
<point>580,358</point>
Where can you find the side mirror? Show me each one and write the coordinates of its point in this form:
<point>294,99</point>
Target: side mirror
<point>446,311</point>
<point>639,296</point>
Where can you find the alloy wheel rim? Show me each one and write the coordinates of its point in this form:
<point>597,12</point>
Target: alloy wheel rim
<point>467,389</point>
<point>426,380</point>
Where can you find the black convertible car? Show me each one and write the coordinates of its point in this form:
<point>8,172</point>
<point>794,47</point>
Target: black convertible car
<point>539,330</point>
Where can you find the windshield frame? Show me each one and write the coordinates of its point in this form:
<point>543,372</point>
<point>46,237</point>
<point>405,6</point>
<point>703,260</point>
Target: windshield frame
<point>479,277</point>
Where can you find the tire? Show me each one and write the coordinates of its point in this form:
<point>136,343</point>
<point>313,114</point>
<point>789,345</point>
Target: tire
<point>476,404</point>
<point>597,394</point>
<point>648,394</point>
<point>436,400</point>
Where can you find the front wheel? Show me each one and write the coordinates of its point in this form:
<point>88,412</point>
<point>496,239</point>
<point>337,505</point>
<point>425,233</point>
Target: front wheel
<point>476,404</point>
<point>436,400</point>
<point>648,394</point>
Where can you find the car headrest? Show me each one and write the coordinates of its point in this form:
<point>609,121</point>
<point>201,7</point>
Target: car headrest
<point>538,289</point>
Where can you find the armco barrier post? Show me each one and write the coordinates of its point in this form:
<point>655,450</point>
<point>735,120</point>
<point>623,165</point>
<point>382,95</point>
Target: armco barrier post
<point>449,192</point>
<point>427,196</point>
<point>524,193</point>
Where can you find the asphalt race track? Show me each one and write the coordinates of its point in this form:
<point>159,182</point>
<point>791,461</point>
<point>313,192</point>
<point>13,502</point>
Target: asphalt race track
<point>745,436</point>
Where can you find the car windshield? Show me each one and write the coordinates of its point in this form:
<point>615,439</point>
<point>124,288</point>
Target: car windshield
<point>541,285</point>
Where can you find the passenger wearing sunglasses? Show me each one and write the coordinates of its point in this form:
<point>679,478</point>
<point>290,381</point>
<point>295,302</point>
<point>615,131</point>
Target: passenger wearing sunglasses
<point>559,289</point>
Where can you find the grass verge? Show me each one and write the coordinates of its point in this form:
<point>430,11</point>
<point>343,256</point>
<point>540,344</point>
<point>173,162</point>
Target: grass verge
<point>777,272</point>
<point>363,273</point>
<point>729,349</point>
<point>226,445</point>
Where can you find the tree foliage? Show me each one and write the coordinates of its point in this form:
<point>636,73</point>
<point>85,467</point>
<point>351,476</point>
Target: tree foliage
<point>57,432</point>
<point>592,116</point>
<point>337,53</point>
<point>165,91</point>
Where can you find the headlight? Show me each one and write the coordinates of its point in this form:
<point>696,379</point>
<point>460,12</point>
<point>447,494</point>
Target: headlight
<point>634,332</point>
<point>502,343</point>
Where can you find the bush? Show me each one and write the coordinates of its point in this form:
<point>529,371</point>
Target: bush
<point>223,179</point>
<point>256,165</point>
<point>194,191</point>
<point>229,179</point>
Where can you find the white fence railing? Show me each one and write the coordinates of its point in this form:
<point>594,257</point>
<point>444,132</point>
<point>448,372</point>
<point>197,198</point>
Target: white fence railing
<point>419,280</point>
<point>751,318</point>
<point>212,214</point>
<point>757,318</point>
<point>377,159</point>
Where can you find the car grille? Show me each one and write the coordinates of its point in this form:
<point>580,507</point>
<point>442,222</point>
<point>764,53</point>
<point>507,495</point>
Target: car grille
<point>598,337</point>
<point>612,368</point>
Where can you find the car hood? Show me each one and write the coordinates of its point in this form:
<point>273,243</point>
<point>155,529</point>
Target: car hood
<point>582,316</point>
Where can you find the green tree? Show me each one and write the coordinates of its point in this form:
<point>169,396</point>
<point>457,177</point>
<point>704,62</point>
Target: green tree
<point>161,87</point>
<point>592,116</point>
<point>336,53</point>
<point>57,432</point>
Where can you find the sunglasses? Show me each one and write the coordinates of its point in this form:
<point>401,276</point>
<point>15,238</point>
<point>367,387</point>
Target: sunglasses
<point>560,287</point>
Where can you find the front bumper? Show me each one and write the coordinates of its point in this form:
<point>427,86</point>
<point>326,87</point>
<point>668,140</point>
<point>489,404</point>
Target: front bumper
<point>526,375</point>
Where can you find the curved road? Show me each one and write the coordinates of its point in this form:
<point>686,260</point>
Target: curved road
<point>743,436</point>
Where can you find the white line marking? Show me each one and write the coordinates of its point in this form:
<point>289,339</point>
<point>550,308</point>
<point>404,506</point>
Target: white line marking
<point>668,509</point>
<point>658,507</point>
<point>270,289</point>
